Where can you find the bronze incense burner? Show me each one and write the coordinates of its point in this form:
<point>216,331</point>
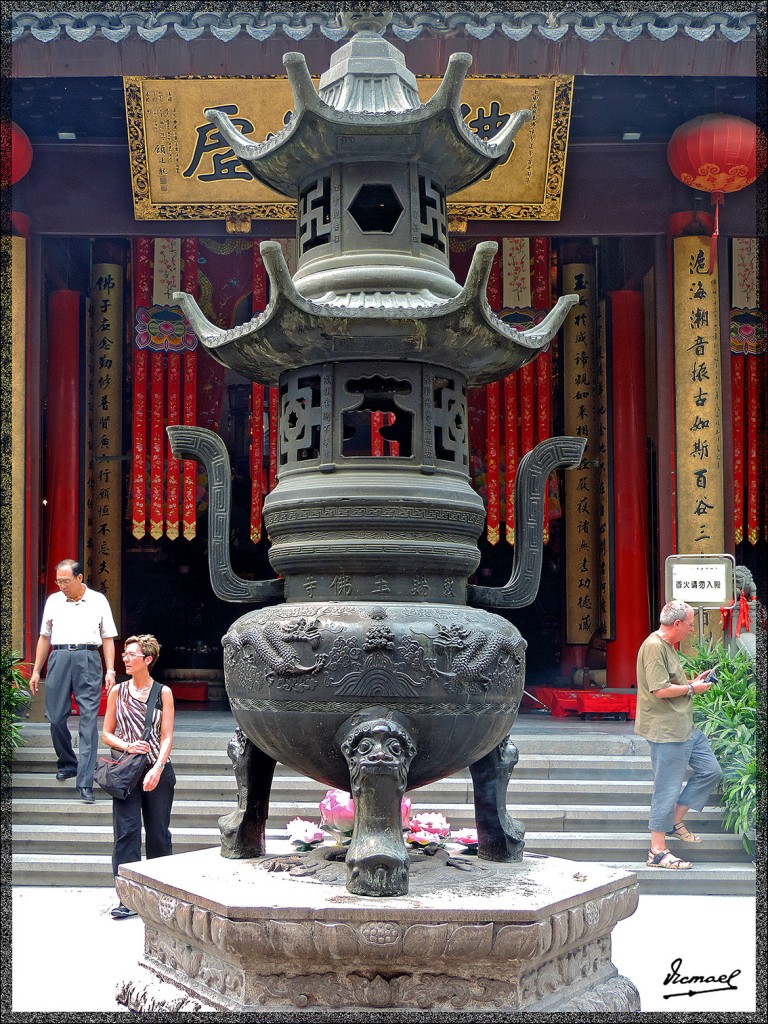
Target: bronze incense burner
<point>375,674</point>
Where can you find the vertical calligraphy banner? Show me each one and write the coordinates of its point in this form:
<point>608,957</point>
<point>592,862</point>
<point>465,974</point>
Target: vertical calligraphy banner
<point>142,299</point>
<point>604,446</point>
<point>107,362</point>
<point>748,365</point>
<point>189,283</point>
<point>581,509</point>
<point>698,400</point>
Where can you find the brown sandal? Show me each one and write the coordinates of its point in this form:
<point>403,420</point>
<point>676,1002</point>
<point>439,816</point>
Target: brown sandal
<point>667,860</point>
<point>681,832</point>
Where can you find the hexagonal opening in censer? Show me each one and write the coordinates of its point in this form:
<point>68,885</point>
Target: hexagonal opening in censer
<point>376,208</point>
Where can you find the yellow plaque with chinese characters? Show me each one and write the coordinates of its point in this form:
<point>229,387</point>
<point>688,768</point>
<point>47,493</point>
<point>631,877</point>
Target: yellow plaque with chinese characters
<point>698,400</point>
<point>183,170</point>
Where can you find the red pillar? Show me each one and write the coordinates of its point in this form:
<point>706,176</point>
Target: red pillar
<point>63,416</point>
<point>631,587</point>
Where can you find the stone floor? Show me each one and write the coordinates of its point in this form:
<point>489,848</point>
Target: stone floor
<point>714,936</point>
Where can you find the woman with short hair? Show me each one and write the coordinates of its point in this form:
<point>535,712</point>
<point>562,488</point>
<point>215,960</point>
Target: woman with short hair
<point>124,726</point>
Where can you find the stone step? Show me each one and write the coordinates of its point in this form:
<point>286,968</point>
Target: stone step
<point>32,760</point>
<point>738,879</point>
<point>450,791</point>
<point>702,880</point>
<point>205,814</point>
<point>575,738</point>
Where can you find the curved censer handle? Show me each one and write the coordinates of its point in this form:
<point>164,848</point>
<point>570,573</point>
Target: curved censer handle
<point>207,448</point>
<point>530,495</point>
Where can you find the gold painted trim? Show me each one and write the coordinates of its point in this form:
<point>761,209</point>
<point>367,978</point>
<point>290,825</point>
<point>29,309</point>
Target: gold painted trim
<point>236,215</point>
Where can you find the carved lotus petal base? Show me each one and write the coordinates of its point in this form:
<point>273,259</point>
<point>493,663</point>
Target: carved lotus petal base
<point>227,935</point>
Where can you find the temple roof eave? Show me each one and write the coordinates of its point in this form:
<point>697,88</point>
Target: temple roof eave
<point>592,26</point>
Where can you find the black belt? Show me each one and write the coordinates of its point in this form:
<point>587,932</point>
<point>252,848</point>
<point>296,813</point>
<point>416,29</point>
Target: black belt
<point>74,647</point>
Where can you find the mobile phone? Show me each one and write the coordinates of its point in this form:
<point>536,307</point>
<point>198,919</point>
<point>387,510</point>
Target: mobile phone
<point>711,677</point>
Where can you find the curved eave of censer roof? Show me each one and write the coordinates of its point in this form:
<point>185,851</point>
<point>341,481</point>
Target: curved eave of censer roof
<point>309,138</point>
<point>461,333</point>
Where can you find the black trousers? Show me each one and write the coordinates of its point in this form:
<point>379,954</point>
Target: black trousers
<point>154,808</point>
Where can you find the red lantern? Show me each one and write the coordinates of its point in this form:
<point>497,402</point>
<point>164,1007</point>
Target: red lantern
<point>717,153</point>
<point>15,142</point>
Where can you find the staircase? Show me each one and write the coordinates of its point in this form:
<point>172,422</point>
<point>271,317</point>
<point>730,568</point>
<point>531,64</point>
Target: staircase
<point>582,791</point>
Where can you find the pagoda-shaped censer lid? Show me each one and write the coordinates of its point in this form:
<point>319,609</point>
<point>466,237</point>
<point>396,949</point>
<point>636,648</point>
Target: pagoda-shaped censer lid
<point>372,168</point>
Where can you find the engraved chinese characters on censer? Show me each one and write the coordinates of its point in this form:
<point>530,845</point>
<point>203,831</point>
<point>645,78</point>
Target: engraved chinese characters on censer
<point>375,674</point>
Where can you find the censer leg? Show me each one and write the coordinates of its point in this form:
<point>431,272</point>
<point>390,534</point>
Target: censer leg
<point>500,837</point>
<point>243,831</point>
<point>379,749</point>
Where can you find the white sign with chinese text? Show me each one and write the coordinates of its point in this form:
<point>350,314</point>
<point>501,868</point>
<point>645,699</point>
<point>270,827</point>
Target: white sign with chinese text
<point>700,580</point>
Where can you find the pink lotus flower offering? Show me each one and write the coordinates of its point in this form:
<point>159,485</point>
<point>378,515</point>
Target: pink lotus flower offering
<point>466,837</point>
<point>337,814</point>
<point>431,821</point>
<point>304,834</point>
<point>427,831</point>
<point>406,809</point>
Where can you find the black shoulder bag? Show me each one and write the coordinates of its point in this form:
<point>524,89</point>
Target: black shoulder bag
<point>119,778</point>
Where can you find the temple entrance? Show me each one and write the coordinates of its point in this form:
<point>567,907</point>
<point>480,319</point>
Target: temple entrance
<point>157,574</point>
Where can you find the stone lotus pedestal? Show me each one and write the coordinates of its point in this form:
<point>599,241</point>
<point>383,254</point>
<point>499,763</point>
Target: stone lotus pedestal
<point>470,936</point>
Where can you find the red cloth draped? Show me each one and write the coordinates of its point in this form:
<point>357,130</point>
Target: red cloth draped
<point>753,466</point>
<point>174,409</point>
<point>492,422</point>
<point>743,620</point>
<point>274,426</point>
<point>511,452</point>
<point>541,298</point>
<point>257,460</point>
<point>737,398</point>
<point>492,426</point>
<point>156,443</point>
<point>526,409</point>
<point>377,441</point>
<point>142,277</point>
<point>189,283</point>
<point>258,303</point>
<point>394,446</point>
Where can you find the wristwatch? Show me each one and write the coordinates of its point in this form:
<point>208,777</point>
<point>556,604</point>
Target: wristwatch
<point>691,690</point>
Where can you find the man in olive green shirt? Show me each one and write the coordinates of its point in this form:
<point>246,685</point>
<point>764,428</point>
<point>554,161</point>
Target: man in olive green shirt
<point>665,719</point>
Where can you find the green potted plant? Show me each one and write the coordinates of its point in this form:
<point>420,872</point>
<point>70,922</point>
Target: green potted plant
<point>14,699</point>
<point>727,715</point>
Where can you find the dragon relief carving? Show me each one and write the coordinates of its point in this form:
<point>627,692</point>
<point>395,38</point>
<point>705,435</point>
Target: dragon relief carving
<point>274,644</point>
<point>378,661</point>
<point>476,660</point>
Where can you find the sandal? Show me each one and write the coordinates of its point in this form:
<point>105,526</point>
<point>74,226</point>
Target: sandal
<point>667,860</point>
<point>121,911</point>
<point>682,833</point>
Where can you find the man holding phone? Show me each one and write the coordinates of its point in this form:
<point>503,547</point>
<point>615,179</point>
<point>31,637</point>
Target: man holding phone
<point>665,719</point>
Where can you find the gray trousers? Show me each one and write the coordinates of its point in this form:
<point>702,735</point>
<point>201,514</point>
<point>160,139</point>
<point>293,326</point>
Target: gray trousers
<point>669,762</point>
<point>77,672</point>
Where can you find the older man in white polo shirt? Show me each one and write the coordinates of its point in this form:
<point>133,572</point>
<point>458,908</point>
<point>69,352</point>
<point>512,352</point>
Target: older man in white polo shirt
<point>76,622</point>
